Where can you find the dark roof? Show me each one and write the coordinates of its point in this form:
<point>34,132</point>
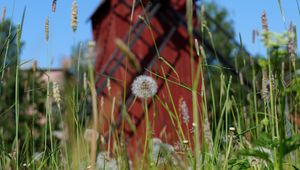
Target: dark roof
<point>100,11</point>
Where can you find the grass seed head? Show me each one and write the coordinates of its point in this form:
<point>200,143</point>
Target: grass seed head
<point>34,66</point>
<point>264,89</point>
<point>184,110</point>
<point>264,21</point>
<point>54,5</point>
<point>56,93</point>
<point>291,44</point>
<point>3,14</point>
<point>291,41</point>
<point>74,16</point>
<point>47,29</point>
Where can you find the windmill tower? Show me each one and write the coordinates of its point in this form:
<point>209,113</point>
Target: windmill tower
<point>156,34</point>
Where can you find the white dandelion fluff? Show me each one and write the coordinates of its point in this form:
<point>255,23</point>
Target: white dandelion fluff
<point>144,87</point>
<point>89,134</point>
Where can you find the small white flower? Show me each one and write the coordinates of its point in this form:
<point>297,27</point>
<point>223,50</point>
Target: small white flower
<point>232,129</point>
<point>185,142</point>
<point>26,165</point>
<point>144,87</point>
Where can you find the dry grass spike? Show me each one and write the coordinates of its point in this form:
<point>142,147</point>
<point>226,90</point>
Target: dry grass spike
<point>74,16</point>
<point>3,14</point>
<point>54,5</point>
<point>264,21</point>
<point>47,29</point>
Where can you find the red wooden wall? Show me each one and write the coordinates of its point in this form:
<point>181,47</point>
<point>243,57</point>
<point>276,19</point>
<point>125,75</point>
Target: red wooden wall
<point>111,21</point>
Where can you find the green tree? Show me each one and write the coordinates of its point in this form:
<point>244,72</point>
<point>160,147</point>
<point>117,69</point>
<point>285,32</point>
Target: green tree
<point>32,90</point>
<point>8,43</point>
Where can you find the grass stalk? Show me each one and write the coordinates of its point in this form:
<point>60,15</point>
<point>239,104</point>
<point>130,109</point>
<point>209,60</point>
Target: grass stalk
<point>17,106</point>
<point>95,113</point>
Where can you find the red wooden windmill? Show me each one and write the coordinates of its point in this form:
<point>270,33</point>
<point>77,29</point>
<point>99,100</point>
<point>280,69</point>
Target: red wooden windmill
<point>168,35</point>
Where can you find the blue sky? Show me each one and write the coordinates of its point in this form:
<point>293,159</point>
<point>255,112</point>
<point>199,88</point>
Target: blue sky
<point>245,14</point>
<point>61,35</point>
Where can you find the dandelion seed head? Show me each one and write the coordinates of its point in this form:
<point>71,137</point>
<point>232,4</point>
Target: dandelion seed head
<point>89,133</point>
<point>144,87</point>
